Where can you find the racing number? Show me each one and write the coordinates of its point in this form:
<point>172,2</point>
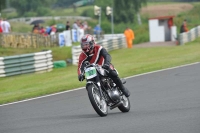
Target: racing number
<point>90,72</point>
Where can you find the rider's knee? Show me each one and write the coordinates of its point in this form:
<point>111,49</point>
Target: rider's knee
<point>113,73</point>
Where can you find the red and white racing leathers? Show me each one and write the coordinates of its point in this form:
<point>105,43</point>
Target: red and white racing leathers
<point>99,56</point>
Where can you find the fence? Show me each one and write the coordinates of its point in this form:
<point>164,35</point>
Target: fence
<point>111,44</point>
<point>26,63</point>
<point>189,36</point>
<point>27,40</point>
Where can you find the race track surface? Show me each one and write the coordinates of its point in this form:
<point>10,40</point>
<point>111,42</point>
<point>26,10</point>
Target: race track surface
<point>161,102</point>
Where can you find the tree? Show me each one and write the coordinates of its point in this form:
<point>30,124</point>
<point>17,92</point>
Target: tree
<point>24,6</point>
<point>2,4</point>
<point>124,10</point>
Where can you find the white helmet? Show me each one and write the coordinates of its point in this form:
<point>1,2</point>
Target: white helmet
<point>87,43</point>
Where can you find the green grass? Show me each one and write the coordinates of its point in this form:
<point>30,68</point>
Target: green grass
<point>127,61</point>
<point>21,27</point>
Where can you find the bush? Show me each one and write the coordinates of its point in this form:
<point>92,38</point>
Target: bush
<point>106,27</point>
<point>30,14</point>
<point>43,11</point>
<point>51,22</point>
<point>88,13</point>
<point>140,38</point>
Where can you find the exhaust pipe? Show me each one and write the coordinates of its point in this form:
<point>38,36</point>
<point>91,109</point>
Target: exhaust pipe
<point>116,105</point>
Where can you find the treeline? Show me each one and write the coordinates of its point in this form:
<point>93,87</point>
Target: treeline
<point>124,10</point>
<point>37,7</point>
<point>2,4</point>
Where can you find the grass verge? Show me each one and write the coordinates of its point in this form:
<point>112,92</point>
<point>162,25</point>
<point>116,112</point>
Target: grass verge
<point>127,61</point>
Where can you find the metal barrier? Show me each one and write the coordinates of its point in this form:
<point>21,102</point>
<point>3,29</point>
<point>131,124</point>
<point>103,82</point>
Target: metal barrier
<point>189,36</point>
<point>26,63</point>
<point>111,44</point>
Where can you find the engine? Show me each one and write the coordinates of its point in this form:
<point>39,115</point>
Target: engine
<point>111,89</point>
<point>107,82</point>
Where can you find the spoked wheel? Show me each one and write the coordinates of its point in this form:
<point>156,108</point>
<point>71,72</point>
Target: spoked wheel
<point>99,104</point>
<point>125,107</point>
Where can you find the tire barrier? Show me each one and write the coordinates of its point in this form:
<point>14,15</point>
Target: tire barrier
<point>189,36</point>
<point>109,45</point>
<point>26,63</point>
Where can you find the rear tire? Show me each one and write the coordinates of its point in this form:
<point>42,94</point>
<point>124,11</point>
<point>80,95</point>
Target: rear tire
<point>100,106</point>
<point>125,107</point>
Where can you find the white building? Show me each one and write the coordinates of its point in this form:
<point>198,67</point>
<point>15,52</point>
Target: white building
<point>162,29</point>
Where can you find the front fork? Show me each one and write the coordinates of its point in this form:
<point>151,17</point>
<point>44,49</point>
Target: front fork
<point>97,80</point>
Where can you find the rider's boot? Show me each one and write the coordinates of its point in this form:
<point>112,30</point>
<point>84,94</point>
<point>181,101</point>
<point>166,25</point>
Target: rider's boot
<point>119,83</point>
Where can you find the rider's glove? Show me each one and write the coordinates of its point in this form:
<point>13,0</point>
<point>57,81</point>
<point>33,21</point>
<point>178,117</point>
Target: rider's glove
<point>81,77</point>
<point>106,66</point>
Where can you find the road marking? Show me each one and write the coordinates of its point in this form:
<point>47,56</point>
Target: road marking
<point>84,87</point>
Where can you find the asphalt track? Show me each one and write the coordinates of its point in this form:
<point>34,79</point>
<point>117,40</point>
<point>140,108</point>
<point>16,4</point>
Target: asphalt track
<point>161,102</point>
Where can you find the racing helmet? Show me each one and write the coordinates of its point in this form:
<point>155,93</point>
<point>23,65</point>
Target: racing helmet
<point>87,43</point>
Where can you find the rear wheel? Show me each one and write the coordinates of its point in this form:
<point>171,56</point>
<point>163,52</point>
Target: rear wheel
<point>125,107</point>
<point>99,104</point>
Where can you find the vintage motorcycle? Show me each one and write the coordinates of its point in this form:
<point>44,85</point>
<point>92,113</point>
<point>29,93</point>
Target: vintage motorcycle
<point>102,91</point>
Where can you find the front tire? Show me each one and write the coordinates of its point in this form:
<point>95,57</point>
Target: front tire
<point>100,106</point>
<point>125,107</point>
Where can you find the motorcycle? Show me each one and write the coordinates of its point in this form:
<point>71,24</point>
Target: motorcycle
<point>102,91</point>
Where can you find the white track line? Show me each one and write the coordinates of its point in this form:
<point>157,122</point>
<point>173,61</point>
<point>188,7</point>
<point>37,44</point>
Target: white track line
<point>84,87</point>
<point>163,70</point>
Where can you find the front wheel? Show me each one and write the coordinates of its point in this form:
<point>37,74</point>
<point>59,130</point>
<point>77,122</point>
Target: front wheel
<point>99,104</point>
<point>125,107</point>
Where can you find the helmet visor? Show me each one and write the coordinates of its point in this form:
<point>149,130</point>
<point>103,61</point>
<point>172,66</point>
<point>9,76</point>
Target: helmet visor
<point>85,47</point>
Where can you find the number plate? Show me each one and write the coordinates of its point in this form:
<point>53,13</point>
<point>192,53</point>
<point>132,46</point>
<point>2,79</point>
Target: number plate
<point>90,72</point>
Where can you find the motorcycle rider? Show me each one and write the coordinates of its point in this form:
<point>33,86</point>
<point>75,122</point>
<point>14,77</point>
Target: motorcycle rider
<point>97,54</point>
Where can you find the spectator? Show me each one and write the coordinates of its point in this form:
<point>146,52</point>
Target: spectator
<point>97,31</point>
<point>85,25</point>
<point>81,26</point>
<point>87,29</point>
<point>43,31</point>
<point>75,26</point>
<point>53,30</point>
<point>67,26</point>
<point>78,22</point>
<point>130,36</point>
<point>184,27</point>
<point>5,25</point>
<point>1,30</point>
<point>36,29</point>
<point>48,30</point>
<point>170,23</point>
